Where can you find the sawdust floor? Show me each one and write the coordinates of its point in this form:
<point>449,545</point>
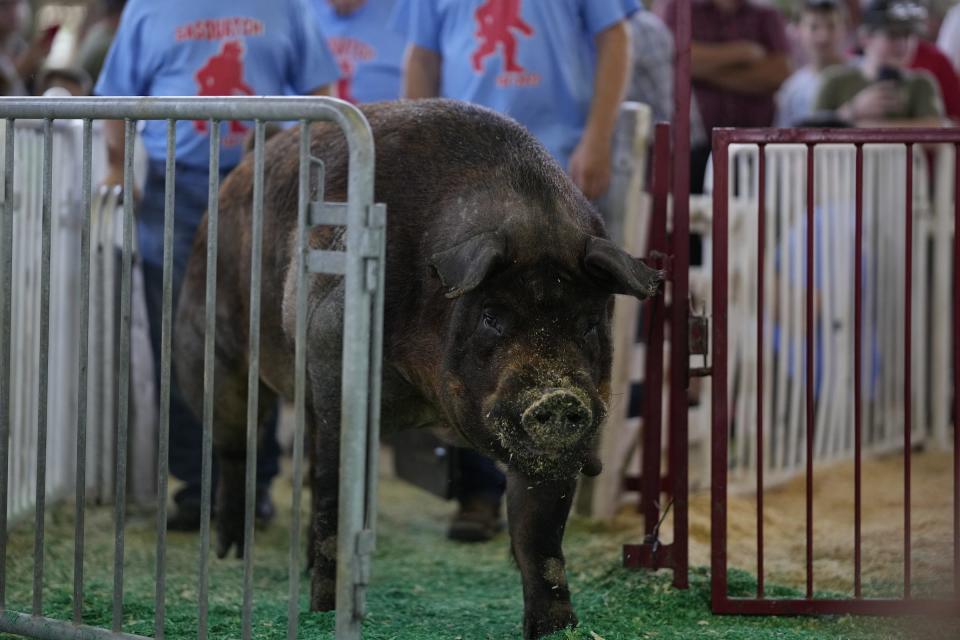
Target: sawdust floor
<point>882,533</point>
<point>427,588</point>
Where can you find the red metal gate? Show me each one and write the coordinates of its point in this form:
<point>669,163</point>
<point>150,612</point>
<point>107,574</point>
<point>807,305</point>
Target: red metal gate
<point>809,603</point>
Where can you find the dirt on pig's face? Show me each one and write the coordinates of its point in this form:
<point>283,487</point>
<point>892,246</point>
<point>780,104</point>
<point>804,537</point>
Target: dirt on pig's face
<point>527,358</point>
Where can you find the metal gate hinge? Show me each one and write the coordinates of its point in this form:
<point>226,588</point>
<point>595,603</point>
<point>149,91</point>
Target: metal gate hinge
<point>373,244</point>
<point>366,544</point>
<point>698,342</point>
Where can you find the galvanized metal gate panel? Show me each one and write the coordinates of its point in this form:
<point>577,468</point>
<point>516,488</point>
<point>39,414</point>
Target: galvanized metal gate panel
<point>362,265</point>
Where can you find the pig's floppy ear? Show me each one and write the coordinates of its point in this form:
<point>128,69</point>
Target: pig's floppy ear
<point>465,266</point>
<point>619,271</point>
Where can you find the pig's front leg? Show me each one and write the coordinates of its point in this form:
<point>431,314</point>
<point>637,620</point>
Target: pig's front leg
<point>538,516</point>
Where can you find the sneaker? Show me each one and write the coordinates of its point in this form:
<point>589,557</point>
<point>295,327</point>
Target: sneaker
<point>477,520</point>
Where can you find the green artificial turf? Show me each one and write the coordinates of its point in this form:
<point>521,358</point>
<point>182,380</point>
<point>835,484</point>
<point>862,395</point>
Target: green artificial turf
<point>424,587</point>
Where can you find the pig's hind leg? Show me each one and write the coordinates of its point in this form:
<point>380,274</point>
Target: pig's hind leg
<point>324,364</point>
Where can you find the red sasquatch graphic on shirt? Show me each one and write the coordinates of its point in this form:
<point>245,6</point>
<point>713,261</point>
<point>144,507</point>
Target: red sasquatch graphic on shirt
<point>222,75</point>
<point>349,52</point>
<point>496,20</point>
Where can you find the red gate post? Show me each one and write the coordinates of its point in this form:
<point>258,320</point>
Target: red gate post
<point>718,439</point>
<point>649,554</point>
<point>680,307</point>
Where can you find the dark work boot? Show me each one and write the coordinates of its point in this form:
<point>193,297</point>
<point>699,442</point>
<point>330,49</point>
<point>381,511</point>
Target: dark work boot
<point>477,520</point>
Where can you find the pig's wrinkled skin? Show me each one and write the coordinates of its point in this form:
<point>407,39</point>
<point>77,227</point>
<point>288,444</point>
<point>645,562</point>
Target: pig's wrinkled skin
<point>496,329</point>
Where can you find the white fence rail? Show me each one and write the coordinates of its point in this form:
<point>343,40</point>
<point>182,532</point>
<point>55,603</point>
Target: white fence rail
<point>64,323</point>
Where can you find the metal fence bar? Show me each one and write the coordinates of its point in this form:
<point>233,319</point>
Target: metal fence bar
<point>680,290</point>
<point>719,419</point>
<point>253,377</point>
<point>907,391</point>
<point>47,629</point>
<point>213,217</point>
<point>809,365</point>
<point>166,344</point>
<point>300,368</point>
<point>956,375</point>
<point>83,386</point>
<point>858,376</point>
<point>123,421</point>
<point>761,236</point>
<point>355,406</point>
<point>6,312</point>
<point>42,405</point>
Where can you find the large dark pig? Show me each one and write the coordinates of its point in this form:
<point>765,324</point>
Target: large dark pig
<point>496,328</point>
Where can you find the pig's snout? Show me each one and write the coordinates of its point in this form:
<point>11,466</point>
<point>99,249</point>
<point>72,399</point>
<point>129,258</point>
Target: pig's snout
<point>557,418</point>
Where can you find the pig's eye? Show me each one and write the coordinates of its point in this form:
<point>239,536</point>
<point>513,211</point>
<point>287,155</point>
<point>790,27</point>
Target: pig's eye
<point>492,323</point>
<point>593,326</point>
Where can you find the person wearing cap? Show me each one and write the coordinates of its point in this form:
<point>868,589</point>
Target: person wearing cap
<point>880,90</point>
<point>822,31</point>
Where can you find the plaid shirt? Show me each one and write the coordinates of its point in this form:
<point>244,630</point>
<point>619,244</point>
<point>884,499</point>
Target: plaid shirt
<point>762,25</point>
<point>651,80</point>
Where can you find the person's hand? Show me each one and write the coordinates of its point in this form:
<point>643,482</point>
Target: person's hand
<point>113,181</point>
<point>346,7</point>
<point>876,102</point>
<point>747,51</point>
<point>36,52</point>
<point>590,166</point>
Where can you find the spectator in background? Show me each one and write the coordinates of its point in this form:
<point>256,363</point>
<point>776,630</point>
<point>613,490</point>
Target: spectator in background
<point>369,52</point>
<point>20,60</point>
<point>651,76</point>
<point>211,48</point>
<point>880,90</point>
<point>929,58</point>
<point>561,70</point>
<point>63,81</point>
<point>92,50</point>
<point>948,36</point>
<point>739,59</point>
<point>822,33</point>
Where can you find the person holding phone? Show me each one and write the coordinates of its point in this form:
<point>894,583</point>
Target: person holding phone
<point>880,90</point>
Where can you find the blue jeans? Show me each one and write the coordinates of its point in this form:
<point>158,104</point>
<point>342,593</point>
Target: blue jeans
<point>186,430</point>
<point>479,477</point>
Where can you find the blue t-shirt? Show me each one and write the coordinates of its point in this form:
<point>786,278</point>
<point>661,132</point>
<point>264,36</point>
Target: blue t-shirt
<point>369,52</point>
<point>213,48</point>
<point>530,59</point>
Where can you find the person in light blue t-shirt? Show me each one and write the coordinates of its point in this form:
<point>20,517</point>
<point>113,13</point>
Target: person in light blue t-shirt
<point>559,67</point>
<point>202,48</point>
<point>369,52</point>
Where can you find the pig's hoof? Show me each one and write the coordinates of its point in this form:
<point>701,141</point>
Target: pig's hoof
<point>229,533</point>
<point>545,620</point>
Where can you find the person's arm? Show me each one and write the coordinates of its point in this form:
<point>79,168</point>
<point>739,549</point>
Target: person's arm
<point>708,58</point>
<point>113,137</point>
<point>906,123</point>
<point>760,78</point>
<point>421,73</point>
<point>590,161</point>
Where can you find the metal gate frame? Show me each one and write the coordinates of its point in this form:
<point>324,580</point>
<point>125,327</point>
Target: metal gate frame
<point>363,267</point>
<point>721,601</point>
